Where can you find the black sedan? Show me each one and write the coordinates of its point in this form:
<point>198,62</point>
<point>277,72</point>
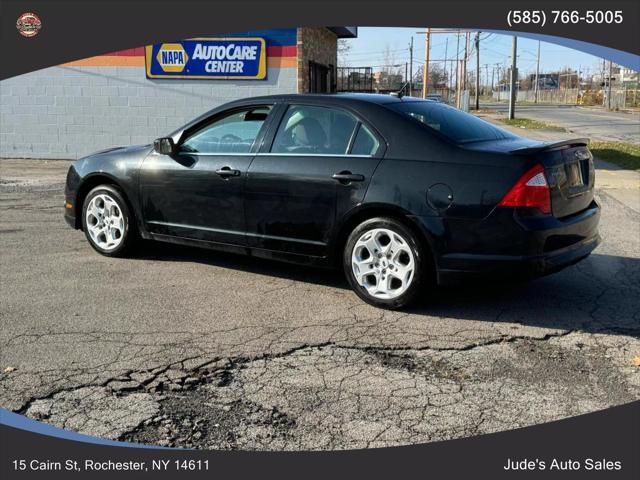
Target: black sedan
<point>402,193</point>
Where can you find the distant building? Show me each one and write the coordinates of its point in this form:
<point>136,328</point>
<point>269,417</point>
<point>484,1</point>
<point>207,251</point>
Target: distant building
<point>619,75</point>
<point>628,75</point>
<point>387,81</point>
<point>546,81</point>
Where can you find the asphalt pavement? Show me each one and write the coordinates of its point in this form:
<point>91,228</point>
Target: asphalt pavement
<point>595,123</point>
<point>193,348</point>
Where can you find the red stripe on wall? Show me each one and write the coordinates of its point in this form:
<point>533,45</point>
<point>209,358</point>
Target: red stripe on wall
<point>130,52</point>
<point>279,51</point>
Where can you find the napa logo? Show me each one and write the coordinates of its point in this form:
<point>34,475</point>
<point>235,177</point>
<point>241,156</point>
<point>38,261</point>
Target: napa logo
<point>172,57</point>
<point>228,58</point>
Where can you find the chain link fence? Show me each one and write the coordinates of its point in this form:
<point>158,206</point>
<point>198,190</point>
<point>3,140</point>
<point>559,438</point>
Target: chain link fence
<point>565,96</point>
<point>621,99</point>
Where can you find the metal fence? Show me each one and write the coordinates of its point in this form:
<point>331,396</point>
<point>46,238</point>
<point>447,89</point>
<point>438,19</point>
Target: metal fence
<point>565,96</point>
<point>620,98</point>
<point>464,100</point>
<point>355,79</point>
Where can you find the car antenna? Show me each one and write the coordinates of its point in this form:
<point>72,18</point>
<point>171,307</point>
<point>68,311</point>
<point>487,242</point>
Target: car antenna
<point>399,94</point>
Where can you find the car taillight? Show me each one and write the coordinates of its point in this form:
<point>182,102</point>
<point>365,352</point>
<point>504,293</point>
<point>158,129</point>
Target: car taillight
<point>531,190</point>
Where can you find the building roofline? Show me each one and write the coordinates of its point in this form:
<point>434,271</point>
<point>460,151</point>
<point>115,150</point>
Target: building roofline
<point>345,32</point>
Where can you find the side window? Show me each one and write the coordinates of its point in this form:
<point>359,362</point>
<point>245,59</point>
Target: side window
<point>365,142</point>
<point>234,133</point>
<point>319,130</point>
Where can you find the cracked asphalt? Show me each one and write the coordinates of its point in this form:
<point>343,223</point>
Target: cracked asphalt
<point>194,348</point>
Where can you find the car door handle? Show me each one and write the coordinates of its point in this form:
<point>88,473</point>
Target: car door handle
<point>346,177</point>
<point>227,172</point>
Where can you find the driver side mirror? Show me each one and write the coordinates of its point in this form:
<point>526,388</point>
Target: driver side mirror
<point>165,146</point>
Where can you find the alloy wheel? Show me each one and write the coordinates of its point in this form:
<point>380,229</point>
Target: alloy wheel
<point>383,263</point>
<point>105,222</point>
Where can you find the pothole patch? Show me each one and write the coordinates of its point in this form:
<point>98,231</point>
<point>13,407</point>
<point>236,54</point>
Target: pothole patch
<point>334,397</point>
<point>95,411</point>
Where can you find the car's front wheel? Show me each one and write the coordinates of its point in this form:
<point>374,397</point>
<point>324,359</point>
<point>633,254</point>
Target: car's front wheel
<point>384,262</point>
<point>107,221</point>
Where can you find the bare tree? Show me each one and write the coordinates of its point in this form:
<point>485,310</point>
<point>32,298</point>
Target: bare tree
<point>437,75</point>
<point>391,74</point>
<point>503,76</point>
<point>568,78</point>
<point>344,47</point>
<point>389,61</point>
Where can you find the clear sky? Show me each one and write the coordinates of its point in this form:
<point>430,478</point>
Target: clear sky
<point>368,50</point>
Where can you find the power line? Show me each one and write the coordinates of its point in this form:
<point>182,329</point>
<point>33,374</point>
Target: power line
<point>378,52</point>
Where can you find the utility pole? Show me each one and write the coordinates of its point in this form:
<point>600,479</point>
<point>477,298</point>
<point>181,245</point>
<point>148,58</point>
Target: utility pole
<point>458,72</point>
<point>578,89</point>
<point>609,86</point>
<point>446,75</point>
<point>466,57</point>
<point>604,84</point>
<point>537,74</point>
<point>477,43</point>
<point>486,78</point>
<point>406,76</point>
<point>514,79</point>
<point>427,48</point>
<point>411,68</point>
<point>493,75</point>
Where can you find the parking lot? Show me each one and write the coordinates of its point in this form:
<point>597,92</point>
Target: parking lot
<point>194,348</point>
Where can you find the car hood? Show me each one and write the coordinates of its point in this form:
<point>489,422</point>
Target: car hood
<point>112,160</point>
<point>120,150</point>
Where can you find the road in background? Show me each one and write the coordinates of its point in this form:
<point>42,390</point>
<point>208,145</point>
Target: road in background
<point>582,121</point>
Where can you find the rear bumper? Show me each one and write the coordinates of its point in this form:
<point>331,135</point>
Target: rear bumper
<point>467,267</point>
<point>548,245</point>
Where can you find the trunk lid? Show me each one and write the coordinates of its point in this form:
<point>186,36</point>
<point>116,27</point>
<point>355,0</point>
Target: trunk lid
<point>569,169</point>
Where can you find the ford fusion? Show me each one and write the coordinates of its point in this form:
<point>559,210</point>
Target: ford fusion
<point>402,193</point>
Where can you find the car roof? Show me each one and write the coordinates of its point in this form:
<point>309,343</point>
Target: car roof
<point>333,98</point>
<point>353,100</point>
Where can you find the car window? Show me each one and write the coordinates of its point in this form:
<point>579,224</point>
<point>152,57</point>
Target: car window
<point>234,133</point>
<point>458,126</point>
<point>365,142</point>
<point>314,130</point>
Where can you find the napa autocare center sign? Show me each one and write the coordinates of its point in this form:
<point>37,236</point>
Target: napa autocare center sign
<point>208,58</point>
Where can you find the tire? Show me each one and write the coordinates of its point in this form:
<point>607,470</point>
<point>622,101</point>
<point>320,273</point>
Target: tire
<point>379,277</point>
<point>107,221</point>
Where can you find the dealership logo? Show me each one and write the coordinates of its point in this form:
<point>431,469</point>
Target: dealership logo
<point>28,24</point>
<point>208,58</point>
<point>172,57</point>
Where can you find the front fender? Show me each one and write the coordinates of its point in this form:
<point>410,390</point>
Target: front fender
<point>119,166</point>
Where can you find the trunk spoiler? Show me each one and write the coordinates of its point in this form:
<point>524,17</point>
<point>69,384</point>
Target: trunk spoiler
<point>551,146</point>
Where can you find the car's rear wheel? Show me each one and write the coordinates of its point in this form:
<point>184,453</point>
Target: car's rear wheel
<point>107,221</point>
<point>384,261</point>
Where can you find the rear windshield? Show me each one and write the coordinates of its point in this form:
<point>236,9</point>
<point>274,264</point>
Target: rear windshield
<point>456,125</point>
